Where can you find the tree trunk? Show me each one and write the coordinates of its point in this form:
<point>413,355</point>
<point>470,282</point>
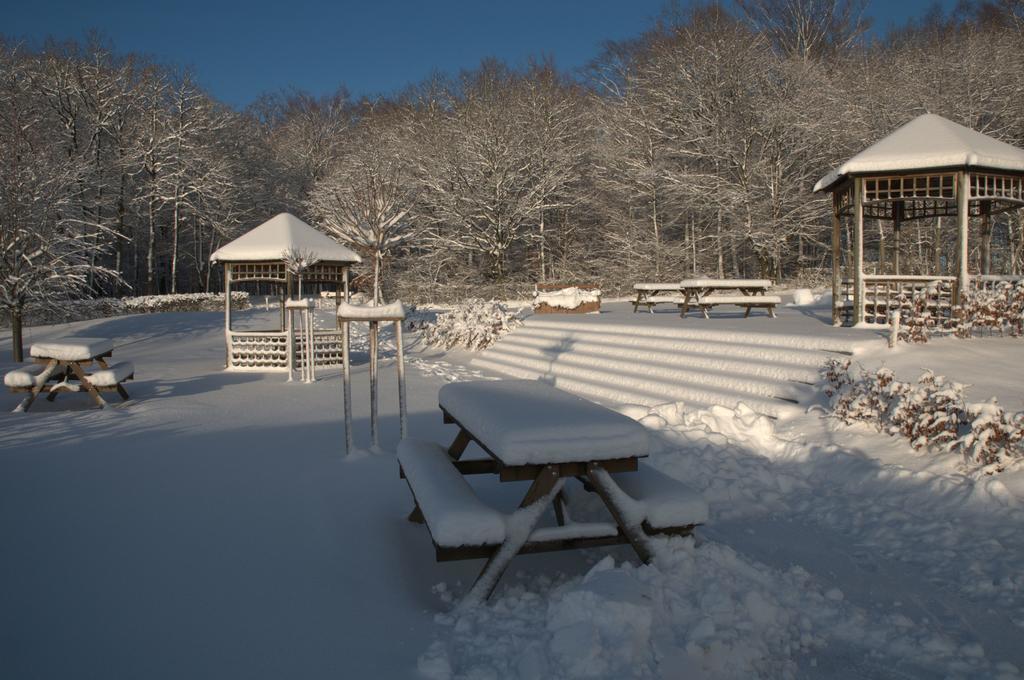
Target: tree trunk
<point>543,251</point>
<point>17,352</point>
<point>986,244</point>
<point>174,243</point>
<point>151,250</point>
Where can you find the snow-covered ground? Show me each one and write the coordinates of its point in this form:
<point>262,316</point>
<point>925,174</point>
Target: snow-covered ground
<point>211,528</point>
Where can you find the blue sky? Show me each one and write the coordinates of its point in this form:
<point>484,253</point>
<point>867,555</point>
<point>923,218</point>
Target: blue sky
<point>239,50</point>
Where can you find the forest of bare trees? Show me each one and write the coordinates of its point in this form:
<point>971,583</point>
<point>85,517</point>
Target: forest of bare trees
<point>689,149</point>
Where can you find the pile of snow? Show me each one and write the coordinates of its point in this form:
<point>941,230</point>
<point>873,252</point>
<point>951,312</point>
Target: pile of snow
<point>566,298</point>
<point>804,297</point>
<point>474,324</point>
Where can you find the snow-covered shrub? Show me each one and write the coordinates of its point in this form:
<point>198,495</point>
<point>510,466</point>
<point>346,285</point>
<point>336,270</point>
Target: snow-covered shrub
<point>183,302</point>
<point>474,324</point>
<point>999,310</point>
<point>916,320</point>
<point>100,308</point>
<point>931,413</point>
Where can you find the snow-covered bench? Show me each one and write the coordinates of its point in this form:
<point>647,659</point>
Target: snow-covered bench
<point>25,377</point>
<point>111,378</point>
<point>706,302</point>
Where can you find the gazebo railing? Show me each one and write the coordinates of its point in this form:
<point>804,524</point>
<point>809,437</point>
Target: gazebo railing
<point>268,350</point>
<point>992,281</point>
<point>887,293</point>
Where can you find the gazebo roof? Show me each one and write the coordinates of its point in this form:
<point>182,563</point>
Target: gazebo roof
<point>281,233</point>
<point>929,142</point>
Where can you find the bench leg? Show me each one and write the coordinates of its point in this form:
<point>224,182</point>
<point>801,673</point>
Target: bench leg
<point>603,485</point>
<point>771,311</point>
<point>416,515</point>
<point>521,524</point>
<point>123,392</point>
<point>84,380</point>
<point>746,313</point>
<point>41,380</point>
<point>704,308</point>
<point>636,304</point>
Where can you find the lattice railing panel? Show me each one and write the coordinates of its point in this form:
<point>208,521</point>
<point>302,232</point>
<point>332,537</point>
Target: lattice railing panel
<point>262,350</point>
<point>884,294</point>
<point>997,187</point>
<point>902,187</point>
<point>327,348</point>
<point>258,271</point>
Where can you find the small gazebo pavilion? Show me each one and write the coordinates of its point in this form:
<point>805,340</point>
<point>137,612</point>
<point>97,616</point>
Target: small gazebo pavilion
<point>260,256</point>
<point>927,169</point>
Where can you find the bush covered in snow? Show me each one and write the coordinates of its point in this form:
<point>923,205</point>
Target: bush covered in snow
<point>474,324</point>
<point>99,308</point>
<point>996,310</point>
<point>931,413</point>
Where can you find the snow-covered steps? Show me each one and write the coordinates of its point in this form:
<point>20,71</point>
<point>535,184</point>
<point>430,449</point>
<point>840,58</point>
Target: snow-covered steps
<point>648,364</point>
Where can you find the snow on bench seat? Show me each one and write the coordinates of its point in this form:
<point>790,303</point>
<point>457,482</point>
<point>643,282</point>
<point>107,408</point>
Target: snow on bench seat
<point>674,299</point>
<point>453,512</point>
<point>110,377</point>
<point>528,422</point>
<point>656,286</point>
<point>725,283</point>
<point>664,502</point>
<point>739,300</point>
<point>26,376</point>
<point>72,349</point>
<point>393,311</point>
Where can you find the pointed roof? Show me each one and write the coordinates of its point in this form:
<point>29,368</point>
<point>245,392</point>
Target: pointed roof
<point>281,233</point>
<point>929,142</point>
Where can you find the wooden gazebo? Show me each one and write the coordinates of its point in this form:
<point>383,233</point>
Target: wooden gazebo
<point>260,256</point>
<point>929,168</point>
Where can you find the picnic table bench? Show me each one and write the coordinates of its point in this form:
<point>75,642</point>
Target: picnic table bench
<point>707,293</point>
<point>64,366</point>
<point>533,432</point>
<point>652,294</point>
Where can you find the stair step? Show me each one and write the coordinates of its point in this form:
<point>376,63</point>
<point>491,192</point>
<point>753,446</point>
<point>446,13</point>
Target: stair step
<point>633,367</point>
<point>648,392</point>
<point>811,343</point>
<point>806,370</point>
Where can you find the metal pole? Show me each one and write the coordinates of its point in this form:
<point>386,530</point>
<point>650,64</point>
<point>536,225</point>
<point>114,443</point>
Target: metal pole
<point>289,335</point>
<point>858,250</point>
<point>346,386</point>
<point>401,378</point>
<point>374,434</point>
<point>227,315</point>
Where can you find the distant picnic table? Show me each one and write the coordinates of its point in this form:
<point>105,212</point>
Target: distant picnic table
<point>66,366</point>
<point>707,293</point>
<point>537,433</point>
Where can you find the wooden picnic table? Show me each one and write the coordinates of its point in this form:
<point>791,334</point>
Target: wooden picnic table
<point>651,294</point>
<point>533,432</point>
<point>707,293</point>
<point>65,366</point>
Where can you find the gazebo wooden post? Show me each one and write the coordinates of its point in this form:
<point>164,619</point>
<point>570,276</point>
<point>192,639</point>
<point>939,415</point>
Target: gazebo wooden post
<point>227,315</point>
<point>897,228</point>
<point>346,384</point>
<point>374,430</point>
<point>858,250</point>
<point>962,222</point>
<point>837,309</point>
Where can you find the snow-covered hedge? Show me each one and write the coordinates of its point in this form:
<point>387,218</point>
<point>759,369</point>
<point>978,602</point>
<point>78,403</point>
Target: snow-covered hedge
<point>996,310</point>
<point>473,324</point>
<point>98,308</point>
<point>931,413</point>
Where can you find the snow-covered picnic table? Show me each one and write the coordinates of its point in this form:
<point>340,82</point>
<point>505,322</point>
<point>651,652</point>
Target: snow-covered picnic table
<point>64,366</point>
<point>708,293</point>
<point>534,432</point>
<point>651,294</point>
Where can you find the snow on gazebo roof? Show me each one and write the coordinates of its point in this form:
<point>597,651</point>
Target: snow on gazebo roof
<point>929,142</point>
<point>281,233</point>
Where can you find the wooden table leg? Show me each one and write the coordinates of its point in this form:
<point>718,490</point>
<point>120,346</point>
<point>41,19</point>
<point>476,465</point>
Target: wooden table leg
<point>76,368</point>
<point>520,525</point>
<point>462,440</point>
<point>636,304</point>
<point>41,380</point>
<point>605,487</point>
